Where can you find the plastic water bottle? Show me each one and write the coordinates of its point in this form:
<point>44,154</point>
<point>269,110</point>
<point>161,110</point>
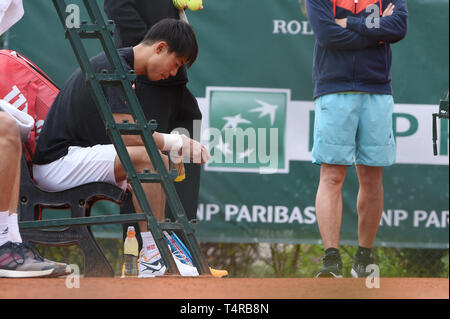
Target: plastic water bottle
<point>130,254</point>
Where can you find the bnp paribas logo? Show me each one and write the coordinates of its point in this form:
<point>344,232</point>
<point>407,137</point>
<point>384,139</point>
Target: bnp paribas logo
<point>247,129</point>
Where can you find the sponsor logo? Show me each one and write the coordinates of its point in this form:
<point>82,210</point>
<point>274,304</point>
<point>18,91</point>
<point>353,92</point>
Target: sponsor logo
<point>247,128</point>
<point>151,267</point>
<point>5,231</point>
<point>293,27</point>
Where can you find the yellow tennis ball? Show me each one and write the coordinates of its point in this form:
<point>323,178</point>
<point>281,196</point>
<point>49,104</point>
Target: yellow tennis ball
<point>194,5</point>
<point>179,4</point>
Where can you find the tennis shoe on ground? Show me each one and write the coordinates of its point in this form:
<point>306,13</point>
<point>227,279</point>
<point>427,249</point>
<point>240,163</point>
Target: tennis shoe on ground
<point>16,262</point>
<point>359,267</point>
<point>62,269</point>
<point>332,267</point>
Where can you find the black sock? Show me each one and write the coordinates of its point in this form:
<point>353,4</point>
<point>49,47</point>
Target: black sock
<point>363,252</point>
<point>332,251</point>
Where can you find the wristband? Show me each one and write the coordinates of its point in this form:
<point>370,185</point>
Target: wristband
<point>172,142</point>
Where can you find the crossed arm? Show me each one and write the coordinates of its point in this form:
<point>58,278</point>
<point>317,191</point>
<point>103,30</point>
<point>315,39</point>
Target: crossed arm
<point>353,33</point>
<point>391,27</point>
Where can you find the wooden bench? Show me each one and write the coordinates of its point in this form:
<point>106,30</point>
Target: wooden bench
<point>79,200</point>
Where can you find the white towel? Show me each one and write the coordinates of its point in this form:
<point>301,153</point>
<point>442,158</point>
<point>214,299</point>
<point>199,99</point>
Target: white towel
<point>25,121</point>
<point>11,11</point>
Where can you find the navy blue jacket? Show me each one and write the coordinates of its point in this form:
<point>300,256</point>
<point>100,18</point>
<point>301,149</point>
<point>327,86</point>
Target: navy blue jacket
<point>359,57</point>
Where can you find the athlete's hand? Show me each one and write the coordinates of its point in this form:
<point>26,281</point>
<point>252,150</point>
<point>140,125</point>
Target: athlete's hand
<point>389,10</point>
<point>341,22</point>
<point>197,152</point>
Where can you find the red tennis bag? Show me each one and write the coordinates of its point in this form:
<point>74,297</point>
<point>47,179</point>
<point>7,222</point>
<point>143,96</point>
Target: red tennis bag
<point>28,88</point>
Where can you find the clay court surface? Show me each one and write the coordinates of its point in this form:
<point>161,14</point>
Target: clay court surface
<point>224,288</point>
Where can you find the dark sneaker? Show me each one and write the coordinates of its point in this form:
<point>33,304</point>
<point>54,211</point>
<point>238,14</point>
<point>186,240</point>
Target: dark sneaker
<point>62,269</point>
<point>359,267</point>
<point>16,263</point>
<point>332,267</point>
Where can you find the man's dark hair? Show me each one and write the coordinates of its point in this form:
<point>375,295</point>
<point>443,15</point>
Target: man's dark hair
<point>179,36</point>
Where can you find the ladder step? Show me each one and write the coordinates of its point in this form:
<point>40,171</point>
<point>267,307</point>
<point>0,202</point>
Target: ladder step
<point>130,128</point>
<point>92,31</point>
<point>148,178</point>
<point>170,226</point>
<point>126,128</point>
<point>96,220</point>
<point>114,77</point>
<point>83,221</point>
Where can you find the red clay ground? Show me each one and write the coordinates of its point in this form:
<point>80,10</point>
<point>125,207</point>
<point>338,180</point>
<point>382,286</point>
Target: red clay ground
<point>224,288</point>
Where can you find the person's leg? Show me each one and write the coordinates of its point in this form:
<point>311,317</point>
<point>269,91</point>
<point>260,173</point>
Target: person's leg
<point>329,217</point>
<point>370,208</point>
<point>13,222</point>
<point>369,203</point>
<point>10,146</point>
<point>329,204</point>
<point>150,263</point>
<point>335,128</point>
<point>153,191</point>
<point>10,241</point>
<point>375,149</point>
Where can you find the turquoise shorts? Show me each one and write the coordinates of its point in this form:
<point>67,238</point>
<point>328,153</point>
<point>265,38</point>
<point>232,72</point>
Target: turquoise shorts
<point>354,128</point>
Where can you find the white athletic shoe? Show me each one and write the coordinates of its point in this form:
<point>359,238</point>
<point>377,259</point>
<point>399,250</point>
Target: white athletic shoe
<point>152,267</point>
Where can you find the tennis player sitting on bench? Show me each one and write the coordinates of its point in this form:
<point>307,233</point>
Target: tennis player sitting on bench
<point>74,149</point>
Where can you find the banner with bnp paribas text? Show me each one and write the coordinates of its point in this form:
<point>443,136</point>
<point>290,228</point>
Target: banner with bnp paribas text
<point>253,82</point>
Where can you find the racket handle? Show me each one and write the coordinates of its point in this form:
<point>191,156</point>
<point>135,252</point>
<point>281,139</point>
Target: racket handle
<point>183,16</point>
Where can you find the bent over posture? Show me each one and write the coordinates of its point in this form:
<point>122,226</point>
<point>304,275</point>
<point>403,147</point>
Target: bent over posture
<point>74,149</point>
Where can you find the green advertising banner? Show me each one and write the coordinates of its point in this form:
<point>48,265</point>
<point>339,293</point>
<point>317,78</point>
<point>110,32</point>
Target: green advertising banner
<point>253,83</point>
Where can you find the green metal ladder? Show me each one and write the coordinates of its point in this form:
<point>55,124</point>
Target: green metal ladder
<point>102,30</point>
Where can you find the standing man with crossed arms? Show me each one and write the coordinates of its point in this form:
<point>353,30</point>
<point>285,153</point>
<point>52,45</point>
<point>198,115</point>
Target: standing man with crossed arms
<point>353,115</point>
